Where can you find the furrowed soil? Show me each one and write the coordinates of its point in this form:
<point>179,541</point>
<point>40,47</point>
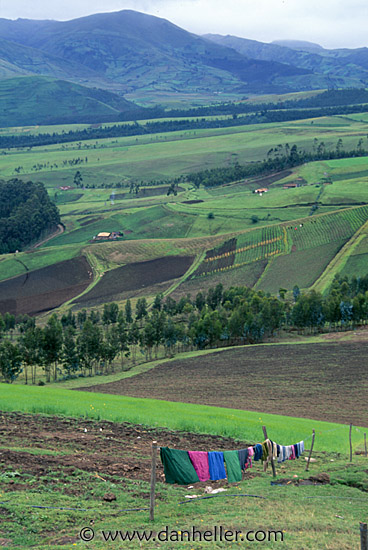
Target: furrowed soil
<point>45,288</point>
<point>324,381</point>
<point>127,281</point>
<point>103,448</point>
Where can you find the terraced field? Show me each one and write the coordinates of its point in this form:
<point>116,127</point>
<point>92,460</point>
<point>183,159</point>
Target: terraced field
<point>269,241</point>
<point>296,254</point>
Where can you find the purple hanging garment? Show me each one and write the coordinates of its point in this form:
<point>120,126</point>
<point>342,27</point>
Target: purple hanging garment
<point>200,462</point>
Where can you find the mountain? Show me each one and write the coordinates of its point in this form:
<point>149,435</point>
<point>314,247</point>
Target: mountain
<point>299,45</point>
<point>27,60</point>
<point>128,51</point>
<point>331,68</point>
<point>139,51</point>
<point>44,100</point>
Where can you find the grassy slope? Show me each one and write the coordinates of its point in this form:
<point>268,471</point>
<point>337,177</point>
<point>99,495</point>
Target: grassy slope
<point>338,262</point>
<point>172,154</point>
<point>197,418</point>
<point>12,265</point>
<point>39,100</point>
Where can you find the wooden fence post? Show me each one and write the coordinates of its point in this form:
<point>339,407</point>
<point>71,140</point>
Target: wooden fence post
<point>310,452</point>
<point>363,536</point>
<point>272,461</point>
<point>351,447</point>
<point>365,444</point>
<point>153,481</point>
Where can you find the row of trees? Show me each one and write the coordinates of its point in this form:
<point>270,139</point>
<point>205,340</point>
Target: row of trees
<point>281,157</point>
<point>89,343</point>
<point>255,114</point>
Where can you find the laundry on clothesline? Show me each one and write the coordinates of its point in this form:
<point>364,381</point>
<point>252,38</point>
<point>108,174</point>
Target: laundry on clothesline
<point>289,452</point>
<point>185,467</point>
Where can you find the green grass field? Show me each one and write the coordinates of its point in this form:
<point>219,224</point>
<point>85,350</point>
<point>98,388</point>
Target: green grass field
<point>245,425</point>
<point>12,265</point>
<point>174,153</point>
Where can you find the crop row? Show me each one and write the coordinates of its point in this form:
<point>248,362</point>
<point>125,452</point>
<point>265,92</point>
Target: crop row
<point>220,251</point>
<point>250,255</point>
<point>259,235</point>
<point>244,249</point>
<point>254,245</point>
<point>236,265</point>
<point>325,229</point>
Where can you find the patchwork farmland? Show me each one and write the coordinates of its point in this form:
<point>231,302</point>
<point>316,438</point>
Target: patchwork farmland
<point>177,238</point>
<point>287,245</point>
<point>136,278</point>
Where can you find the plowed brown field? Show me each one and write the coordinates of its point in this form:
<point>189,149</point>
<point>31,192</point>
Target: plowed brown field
<point>326,381</point>
<point>102,447</point>
<point>46,288</point>
<point>127,281</point>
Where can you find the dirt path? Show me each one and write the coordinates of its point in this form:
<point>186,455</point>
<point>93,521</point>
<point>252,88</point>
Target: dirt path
<point>59,231</point>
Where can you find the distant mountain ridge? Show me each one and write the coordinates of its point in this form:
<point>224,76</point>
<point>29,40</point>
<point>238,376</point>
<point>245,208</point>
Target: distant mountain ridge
<point>342,67</point>
<point>128,51</point>
<point>299,45</point>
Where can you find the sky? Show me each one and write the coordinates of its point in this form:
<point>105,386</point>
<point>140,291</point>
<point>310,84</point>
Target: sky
<point>330,23</point>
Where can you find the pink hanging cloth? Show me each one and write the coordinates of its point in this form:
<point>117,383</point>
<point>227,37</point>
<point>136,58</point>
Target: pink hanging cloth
<point>250,454</point>
<point>200,463</point>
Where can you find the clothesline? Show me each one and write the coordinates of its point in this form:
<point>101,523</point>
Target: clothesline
<point>185,467</point>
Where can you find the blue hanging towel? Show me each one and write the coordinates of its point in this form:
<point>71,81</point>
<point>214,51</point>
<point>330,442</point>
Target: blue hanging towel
<point>258,452</point>
<point>216,465</point>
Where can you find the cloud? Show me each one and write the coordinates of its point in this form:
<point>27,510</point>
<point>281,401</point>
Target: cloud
<point>332,23</point>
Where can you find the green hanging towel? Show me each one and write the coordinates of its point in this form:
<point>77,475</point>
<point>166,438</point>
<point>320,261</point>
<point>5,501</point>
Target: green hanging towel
<point>178,467</point>
<point>233,468</point>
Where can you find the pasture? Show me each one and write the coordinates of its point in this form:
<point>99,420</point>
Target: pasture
<point>170,154</point>
<point>197,418</point>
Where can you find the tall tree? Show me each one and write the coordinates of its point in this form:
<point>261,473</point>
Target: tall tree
<point>31,347</point>
<point>77,179</point>
<point>128,312</point>
<point>69,355</point>
<point>52,345</point>
<point>89,346</point>
<point>141,309</point>
<point>10,361</point>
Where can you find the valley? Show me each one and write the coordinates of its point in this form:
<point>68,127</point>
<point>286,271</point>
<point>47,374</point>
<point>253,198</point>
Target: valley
<point>184,260</point>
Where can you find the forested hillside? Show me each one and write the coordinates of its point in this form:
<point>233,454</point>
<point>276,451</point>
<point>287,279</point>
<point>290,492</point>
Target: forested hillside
<point>26,212</point>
